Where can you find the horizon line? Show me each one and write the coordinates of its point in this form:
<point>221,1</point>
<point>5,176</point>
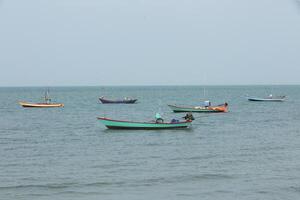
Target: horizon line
<point>155,85</point>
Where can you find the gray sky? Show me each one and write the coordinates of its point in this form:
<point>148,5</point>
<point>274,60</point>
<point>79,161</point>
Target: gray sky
<point>149,42</point>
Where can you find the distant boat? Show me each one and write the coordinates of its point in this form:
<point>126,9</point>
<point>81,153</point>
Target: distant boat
<point>207,109</point>
<point>118,124</point>
<point>46,104</point>
<point>126,100</point>
<point>40,105</point>
<point>269,98</point>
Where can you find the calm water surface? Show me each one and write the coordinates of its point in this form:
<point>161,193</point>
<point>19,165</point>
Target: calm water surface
<point>252,152</point>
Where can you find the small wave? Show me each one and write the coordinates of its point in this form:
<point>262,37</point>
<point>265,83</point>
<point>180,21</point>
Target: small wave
<point>209,176</point>
<point>41,186</point>
<point>153,144</point>
<point>295,188</point>
<point>186,178</point>
<point>203,157</point>
<point>185,195</point>
<point>262,192</point>
<point>77,193</point>
<point>99,184</point>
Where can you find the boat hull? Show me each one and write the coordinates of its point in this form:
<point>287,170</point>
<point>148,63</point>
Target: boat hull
<point>40,105</point>
<point>210,109</point>
<point>117,124</point>
<point>107,101</point>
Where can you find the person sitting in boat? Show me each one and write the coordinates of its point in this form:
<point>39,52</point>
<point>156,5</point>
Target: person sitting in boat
<point>48,100</point>
<point>158,118</point>
<point>174,121</point>
<point>270,96</point>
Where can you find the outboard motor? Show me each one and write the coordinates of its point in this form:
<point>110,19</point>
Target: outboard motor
<point>189,116</point>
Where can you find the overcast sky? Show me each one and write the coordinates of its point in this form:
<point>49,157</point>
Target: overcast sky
<point>149,42</point>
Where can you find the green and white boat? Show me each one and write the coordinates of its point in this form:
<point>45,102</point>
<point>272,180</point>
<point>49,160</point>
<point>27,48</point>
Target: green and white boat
<point>118,124</point>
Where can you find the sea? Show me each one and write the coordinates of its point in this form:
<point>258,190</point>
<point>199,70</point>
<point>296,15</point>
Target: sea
<point>250,153</point>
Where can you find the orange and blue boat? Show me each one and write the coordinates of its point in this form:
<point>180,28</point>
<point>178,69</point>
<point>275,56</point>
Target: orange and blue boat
<point>204,109</point>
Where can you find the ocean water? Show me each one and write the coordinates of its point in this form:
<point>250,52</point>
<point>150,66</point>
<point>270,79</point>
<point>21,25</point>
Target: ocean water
<point>251,152</point>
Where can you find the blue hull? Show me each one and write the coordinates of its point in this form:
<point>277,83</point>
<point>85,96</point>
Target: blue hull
<point>125,101</point>
<point>272,100</point>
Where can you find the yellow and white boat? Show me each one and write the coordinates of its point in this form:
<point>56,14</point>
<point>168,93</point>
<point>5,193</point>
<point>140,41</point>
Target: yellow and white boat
<point>46,104</point>
<point>40,105</point>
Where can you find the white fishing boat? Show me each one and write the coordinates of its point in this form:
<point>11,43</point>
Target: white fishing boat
<point>269,98</point>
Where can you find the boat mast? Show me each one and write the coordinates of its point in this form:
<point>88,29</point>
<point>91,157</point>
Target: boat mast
<point>204,88</point>
<point>47,98</point>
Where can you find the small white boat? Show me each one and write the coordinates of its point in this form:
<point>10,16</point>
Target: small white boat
<point>269,98</point>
